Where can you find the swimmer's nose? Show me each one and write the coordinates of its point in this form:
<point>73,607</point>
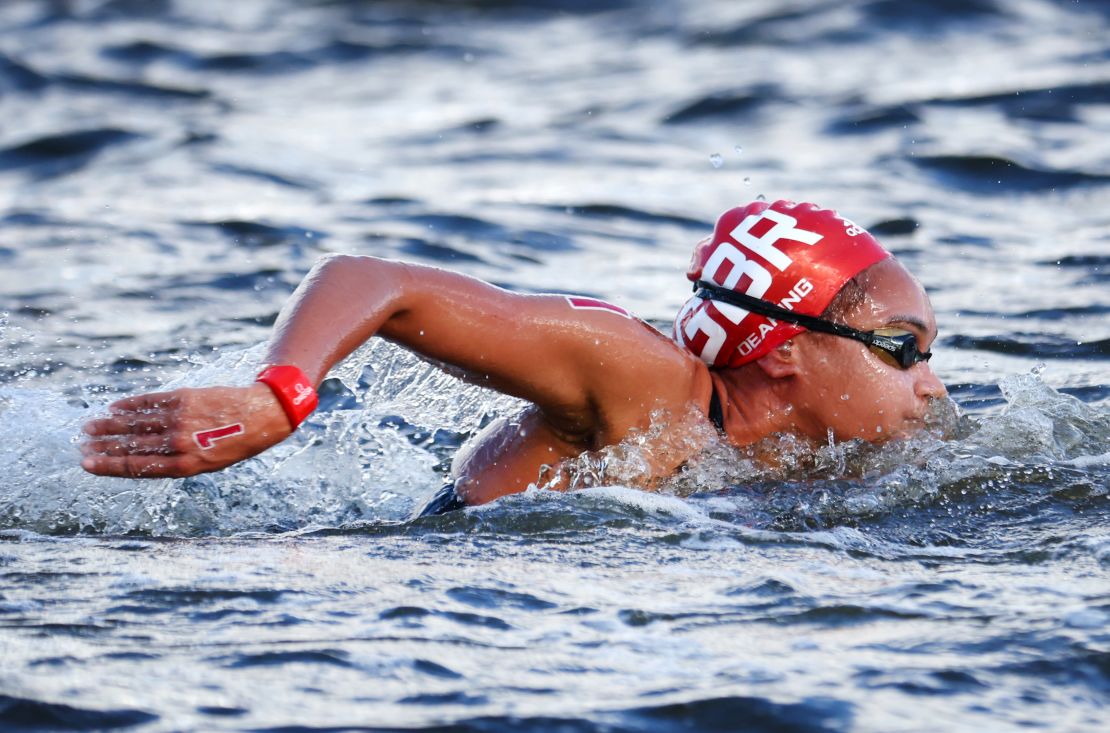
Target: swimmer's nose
<point>928,384</point>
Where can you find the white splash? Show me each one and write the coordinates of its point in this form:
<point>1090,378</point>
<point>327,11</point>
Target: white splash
<point>343,465</point>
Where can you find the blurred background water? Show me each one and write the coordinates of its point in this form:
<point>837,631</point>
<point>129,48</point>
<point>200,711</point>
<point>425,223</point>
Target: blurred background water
<point>170,170</point>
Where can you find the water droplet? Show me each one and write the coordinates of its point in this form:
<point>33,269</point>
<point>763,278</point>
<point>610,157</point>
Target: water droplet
<point>747,180</point>
<point>845,397</point>
<point>760,197</point>
<point>716,160</point>
<point>421,332</point>
<point>738,150</point>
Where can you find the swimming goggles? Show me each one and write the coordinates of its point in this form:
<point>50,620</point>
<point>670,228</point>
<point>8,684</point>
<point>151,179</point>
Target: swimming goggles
<point>894,346</point>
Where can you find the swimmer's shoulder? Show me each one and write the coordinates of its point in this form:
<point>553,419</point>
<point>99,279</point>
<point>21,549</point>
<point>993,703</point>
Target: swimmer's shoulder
<point>657,375</point>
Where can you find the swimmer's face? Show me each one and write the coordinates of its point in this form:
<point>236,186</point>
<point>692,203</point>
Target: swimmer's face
<point>843,385</point>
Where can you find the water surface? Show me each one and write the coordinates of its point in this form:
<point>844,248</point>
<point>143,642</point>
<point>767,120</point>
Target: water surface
<point>168,173</point>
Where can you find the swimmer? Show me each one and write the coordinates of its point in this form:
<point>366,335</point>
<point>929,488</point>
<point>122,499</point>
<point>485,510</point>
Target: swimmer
<point>800,323</point>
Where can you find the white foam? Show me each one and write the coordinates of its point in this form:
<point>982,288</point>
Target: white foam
<point>1088,461</point>
<point>647,502</point>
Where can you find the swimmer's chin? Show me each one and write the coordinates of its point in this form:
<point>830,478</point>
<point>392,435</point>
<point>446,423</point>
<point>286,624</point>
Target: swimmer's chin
<point>909,429</point>
<point>939,420</point>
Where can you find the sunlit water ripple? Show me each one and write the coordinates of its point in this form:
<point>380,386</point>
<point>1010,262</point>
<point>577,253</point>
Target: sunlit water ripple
<point>169,171</point>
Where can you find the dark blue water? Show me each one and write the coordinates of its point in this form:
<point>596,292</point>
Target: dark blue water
<point>170,170</point>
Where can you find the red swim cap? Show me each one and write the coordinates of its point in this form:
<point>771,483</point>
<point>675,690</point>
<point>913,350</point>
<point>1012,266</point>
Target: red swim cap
<point>797,256</point>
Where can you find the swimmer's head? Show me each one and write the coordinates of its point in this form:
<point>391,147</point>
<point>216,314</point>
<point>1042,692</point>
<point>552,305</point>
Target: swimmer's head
<point>795,256</point>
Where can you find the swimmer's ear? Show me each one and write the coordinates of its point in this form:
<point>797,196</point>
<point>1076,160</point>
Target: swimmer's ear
<point>779,363</point>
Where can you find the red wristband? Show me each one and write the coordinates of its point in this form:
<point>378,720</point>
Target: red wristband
<point>293,390</point>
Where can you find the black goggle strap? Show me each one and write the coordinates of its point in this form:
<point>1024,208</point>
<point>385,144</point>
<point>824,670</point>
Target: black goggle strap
<point>905,350</point>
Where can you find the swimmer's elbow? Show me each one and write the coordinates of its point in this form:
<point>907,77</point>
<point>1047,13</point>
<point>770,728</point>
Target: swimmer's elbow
<point>341,268</point>
<point>342,261</point>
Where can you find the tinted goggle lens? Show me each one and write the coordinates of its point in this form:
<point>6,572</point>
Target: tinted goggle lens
<point>898,348</point>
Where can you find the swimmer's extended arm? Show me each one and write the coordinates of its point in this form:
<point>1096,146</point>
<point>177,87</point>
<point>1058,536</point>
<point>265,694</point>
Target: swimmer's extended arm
<point>588,371</point>
<point>570,362</point>
<point>536,347</point>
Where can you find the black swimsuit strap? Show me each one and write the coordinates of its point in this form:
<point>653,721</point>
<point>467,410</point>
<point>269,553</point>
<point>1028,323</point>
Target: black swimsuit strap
<point>716,413</point>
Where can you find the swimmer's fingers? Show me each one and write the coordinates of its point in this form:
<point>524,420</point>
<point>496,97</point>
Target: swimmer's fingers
<point>141,466</point>
<point>128,424</point>
<point>150,402</point>
<point>155,412</point>
<point>133,445</point>
<point>184,432</point>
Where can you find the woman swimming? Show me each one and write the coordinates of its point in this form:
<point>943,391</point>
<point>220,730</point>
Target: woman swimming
<point>801,322</point>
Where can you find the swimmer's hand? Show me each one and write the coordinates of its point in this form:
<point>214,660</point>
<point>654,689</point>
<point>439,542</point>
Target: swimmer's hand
<point>183,432</point>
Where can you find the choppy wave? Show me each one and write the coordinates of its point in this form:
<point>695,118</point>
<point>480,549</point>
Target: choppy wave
<point>989,174</point>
